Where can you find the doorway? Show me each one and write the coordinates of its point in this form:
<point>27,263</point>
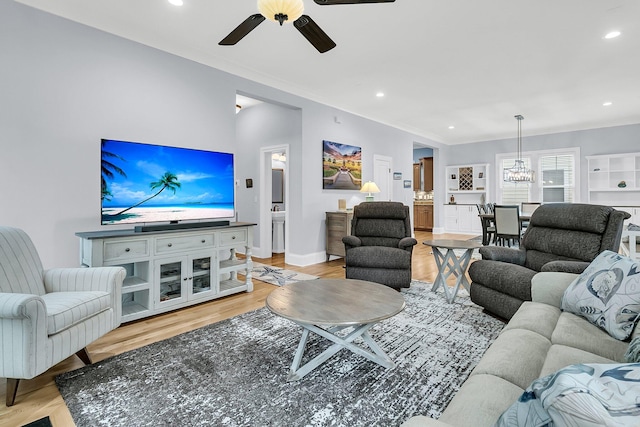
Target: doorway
<point>266,199</point>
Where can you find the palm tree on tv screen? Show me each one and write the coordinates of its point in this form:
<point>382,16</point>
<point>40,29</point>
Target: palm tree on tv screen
<point>168,180</point>
<point>108,171</point>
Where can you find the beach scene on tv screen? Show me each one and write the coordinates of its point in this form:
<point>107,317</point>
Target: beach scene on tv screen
<point>152,183</point>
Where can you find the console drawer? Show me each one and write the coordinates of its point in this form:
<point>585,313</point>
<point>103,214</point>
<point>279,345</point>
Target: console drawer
<point>183,243</point>
<point>233,237</point>
<point>124,250</point>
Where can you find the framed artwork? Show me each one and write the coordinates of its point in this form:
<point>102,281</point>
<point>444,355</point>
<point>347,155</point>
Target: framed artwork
<point>397,176</point>
<point>341,166</point>
<point>453,176</point>
<point>407,183</point>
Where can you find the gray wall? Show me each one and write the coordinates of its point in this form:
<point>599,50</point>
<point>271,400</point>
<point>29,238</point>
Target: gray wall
<point>68,86</point>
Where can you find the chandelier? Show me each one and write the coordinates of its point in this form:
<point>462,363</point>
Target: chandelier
<point>519,172</point>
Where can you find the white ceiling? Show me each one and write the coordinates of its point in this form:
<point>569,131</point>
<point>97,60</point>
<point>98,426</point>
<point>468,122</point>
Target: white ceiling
<point>473,64</point>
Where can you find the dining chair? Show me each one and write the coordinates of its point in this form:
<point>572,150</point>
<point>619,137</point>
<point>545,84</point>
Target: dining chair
<point>489,230</point>
<point>507,223</point>
<point>528,208</point>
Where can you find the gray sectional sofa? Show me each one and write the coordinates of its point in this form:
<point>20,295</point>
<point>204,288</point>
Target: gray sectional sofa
<point>538,340</point>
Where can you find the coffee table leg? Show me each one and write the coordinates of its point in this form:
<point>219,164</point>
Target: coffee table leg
<point>441,263</point>
<point>379,356</point>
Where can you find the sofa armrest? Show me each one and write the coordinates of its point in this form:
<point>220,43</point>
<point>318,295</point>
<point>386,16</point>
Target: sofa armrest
<point>423,421</point>
<point>497,253</point>
<point>23,319</point>
<point>407,243</point>
<point>548,287</point>
<point>575,267</point>
<point>351,241</point>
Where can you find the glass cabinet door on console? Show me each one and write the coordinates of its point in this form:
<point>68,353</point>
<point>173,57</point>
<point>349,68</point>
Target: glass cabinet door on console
<point>202,280</point>
<point>171,275</point>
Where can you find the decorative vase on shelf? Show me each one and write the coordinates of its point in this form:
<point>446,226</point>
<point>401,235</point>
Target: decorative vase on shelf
<point>622,184</point>
<point>452,200</point>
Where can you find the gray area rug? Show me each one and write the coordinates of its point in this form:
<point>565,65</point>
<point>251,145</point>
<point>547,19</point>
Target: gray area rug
<point>233,373</point>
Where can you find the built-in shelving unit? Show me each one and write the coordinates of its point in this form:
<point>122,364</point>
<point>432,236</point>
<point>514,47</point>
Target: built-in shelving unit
<point>167,270</point>
<point>468,184</point>
<point>614,179</point>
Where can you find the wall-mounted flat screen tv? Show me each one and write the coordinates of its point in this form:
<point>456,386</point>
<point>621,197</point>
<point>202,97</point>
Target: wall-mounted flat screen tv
<point>145,183</point>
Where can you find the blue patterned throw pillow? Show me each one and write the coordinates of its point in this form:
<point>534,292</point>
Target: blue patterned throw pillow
<point>607,294</point>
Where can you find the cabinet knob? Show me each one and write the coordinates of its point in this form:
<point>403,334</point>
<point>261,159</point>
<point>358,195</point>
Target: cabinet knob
<point>233,237</point>
<point>203,241</point>
<point>127,250</point>
<point>170,244</point>
<point>185,279</point>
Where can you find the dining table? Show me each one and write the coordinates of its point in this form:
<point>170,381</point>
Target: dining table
<point>488,218</point>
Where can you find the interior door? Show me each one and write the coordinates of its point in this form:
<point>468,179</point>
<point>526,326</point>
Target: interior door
<point>382,177</point>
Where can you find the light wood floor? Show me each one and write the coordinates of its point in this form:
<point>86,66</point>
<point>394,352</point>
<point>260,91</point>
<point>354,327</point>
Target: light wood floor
<point>39,397</point>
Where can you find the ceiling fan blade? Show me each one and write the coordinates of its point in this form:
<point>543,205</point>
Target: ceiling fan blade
<point>328,2</point>
<point>242,30</point>
<point>312,32</point>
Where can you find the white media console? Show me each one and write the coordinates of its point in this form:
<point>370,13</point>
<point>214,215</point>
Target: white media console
<point>170,269</point>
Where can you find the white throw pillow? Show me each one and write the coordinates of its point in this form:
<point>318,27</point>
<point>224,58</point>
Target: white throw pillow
<point>607,294</point>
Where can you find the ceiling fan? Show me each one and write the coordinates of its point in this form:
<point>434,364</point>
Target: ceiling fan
<point>285,10</point>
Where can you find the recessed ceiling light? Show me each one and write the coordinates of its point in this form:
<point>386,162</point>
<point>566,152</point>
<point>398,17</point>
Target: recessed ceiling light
<point>612,35</point>
<point>176,2</point>
<point>606,104</point>
<point>452,127</point>
<point>380,94</point>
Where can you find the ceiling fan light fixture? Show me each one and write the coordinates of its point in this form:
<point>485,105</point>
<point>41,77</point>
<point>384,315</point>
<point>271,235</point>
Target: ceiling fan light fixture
<point>281,10</point>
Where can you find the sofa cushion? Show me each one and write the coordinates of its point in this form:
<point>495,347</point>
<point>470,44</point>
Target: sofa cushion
<point>607,294</point>
<point>510,279</point>
<point>560,356</point>
<point>66,309</point>
<point>528,348</point>
<point>480,401</point>
<point>574,331</point>
<point>536,317</point>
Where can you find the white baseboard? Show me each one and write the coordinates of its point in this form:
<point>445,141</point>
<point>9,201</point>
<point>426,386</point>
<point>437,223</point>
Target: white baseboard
<point>438,230</point>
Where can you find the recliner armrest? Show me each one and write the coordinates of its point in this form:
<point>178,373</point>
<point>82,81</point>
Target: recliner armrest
<point>575,267</point>
<point>351,241</point>
<point>407,243</point>
<point>497,253</point>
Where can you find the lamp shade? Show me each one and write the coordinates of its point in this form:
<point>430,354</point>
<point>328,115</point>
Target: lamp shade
<point>281,10</point>
<point>369,187</point>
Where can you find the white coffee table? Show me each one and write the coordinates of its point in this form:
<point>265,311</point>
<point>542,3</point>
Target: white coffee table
<point>327,306</point>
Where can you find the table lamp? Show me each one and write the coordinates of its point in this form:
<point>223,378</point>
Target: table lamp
<point>369,187</point>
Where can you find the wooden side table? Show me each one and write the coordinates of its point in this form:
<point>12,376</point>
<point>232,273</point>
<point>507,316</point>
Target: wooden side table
<point>448,263</point>
<point>338,225</point>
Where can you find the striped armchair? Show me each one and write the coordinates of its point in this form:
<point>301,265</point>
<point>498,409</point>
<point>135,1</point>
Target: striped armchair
<point>48,315</point>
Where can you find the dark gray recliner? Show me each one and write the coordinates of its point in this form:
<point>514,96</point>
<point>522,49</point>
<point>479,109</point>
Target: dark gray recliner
<point>380,246</point>
<point>560,237</point>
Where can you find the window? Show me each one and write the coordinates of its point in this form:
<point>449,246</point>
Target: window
<point>556,177</point>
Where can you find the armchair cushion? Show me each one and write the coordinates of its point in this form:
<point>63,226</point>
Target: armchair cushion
<point>66,309</point>
<point>379,257</point>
